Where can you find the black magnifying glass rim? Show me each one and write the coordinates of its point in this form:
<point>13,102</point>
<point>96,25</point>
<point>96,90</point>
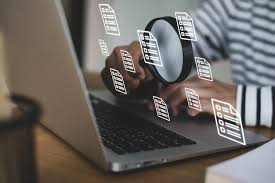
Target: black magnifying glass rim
<point>187,52</point>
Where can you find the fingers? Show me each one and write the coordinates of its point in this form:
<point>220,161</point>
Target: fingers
<point>148,75</point>
<point>137,55</point>
<point>175,95</point>
<point>178,90</point>
<point>206,108</point>
<point>132,80</point>
<point>204,92</point>
<point>176,99</point>
<point>142,72</point>
<point>168,91</point>
<point>195,82</point>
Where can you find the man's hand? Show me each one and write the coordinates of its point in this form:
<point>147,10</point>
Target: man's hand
<point>175,95</point>
<point>132,80</point>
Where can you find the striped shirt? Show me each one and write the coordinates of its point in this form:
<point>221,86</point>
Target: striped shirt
<point>244,32</point>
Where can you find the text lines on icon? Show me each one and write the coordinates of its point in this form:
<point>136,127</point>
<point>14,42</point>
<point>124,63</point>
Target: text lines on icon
<point>109,19</point>
<point>228,121</point>
<point>161,108</point>
<point>118,81</point>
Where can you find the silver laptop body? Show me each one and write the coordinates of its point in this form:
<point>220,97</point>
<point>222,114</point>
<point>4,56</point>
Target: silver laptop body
<point>42,64</point>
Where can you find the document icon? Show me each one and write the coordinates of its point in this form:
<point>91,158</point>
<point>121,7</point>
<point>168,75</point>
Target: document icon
<point>118,81</point>
<point>203,69</point>
<point>150,48</point>
<point>103,47</point>
<point>228,121</point>
<point>161,108</point>
<point>109,19</point>
<point>127,61</point>
<point>186,26</point>
<point>193,99</point>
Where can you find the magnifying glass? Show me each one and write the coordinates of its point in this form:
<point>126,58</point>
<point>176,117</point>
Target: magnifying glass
<point>176,55</point>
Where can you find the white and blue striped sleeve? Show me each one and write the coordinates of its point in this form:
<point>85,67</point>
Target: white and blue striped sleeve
<point>256,105</point>
<point>209,21</point>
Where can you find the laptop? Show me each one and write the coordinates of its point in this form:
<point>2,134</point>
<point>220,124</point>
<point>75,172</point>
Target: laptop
<point>116,135</point>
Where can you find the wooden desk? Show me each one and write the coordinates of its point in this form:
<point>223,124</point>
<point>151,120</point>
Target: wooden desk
<point>58,163</point>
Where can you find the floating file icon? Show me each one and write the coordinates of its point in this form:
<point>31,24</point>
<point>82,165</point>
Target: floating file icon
<point>103,47</point>
<point>150,48</point>
<point>127,61</point>
<point>228,121</point>
<point>161,108</point>
<point>118,81</point>
<point>109,19</point>
<point>186,26</point>
<point>203,69</point>
<point>193,99</point>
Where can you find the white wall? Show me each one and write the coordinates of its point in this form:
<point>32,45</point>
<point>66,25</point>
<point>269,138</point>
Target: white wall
<point>131,15</point>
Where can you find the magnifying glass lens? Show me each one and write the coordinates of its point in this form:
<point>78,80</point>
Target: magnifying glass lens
<point>176,54</point>
<point>170,50</point>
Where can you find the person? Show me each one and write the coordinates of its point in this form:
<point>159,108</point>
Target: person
<point>239,30</point>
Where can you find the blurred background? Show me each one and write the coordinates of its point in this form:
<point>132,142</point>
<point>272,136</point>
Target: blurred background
<point>86,24</point>
<point>86,27</point>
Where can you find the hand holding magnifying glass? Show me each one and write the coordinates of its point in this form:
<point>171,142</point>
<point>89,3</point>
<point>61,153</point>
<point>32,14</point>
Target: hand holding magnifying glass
<point>176,57</point>
<point>132,81</point>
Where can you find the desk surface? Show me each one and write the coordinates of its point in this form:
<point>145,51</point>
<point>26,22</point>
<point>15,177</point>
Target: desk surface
<point>58,163</point>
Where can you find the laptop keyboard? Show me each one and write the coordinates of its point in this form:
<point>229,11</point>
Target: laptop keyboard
<point>123,132</point>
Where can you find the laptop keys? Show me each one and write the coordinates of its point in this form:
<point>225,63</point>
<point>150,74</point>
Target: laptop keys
<point>127,133</point>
